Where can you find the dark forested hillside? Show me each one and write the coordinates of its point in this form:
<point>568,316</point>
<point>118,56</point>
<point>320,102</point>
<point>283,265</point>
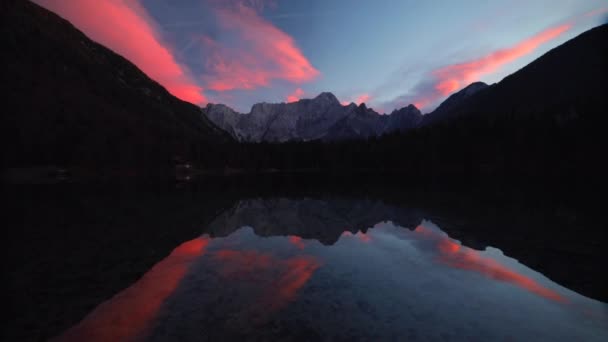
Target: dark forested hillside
<point>69,101</point>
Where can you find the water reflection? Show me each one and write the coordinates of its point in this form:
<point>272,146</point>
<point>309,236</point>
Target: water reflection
<point>277,280</point>
<point>306,269</point>
<point>128,314</point>
<point>454,255</point>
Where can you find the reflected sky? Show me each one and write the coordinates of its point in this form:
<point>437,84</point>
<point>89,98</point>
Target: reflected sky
<point>384,282</point>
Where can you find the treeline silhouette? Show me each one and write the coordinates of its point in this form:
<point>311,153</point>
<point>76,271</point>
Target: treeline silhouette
<point>501,145</point>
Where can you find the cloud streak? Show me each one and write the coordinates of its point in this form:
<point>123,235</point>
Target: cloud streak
<point>254,54</point>
<point>453,77</point>
<point>125,27</point>
<point>443,81</point>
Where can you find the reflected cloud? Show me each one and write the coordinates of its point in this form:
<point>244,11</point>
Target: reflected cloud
<point>363,237</point>
<point>458,256</point>
<point>129,314</point>
<point>296,241</point>
<point>265,274</point>
<point>276,281</point>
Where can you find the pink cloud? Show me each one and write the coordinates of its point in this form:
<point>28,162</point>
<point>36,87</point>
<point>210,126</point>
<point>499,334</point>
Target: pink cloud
<point>363,98</point>
<point>295,96</point>
<point>262,53</point>
<point>596,12</point>
<point>125,27</point>
<point>456,76</point>
<point>451,78</point>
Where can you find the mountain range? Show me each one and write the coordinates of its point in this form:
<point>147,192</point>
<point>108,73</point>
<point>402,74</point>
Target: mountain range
<point>542,122</point>
<point>321,118</point>
<point>324,118</point>
<point>562,81</point>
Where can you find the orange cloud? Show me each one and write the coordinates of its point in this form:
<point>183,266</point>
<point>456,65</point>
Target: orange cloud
<point>125,27</point>
<point>295,96</point>
<point>262,53</point>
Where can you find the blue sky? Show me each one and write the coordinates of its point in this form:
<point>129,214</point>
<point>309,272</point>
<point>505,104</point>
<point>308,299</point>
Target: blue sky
<point>388,53</point>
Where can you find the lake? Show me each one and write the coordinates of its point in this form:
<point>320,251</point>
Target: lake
<point>302,266</point>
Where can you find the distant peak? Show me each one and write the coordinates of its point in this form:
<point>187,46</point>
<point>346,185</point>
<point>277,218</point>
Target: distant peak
<point>477,84</point>
<point>473,88</point>
<point>326,97</point>
<point>216,105</point>
<point>409,109</point>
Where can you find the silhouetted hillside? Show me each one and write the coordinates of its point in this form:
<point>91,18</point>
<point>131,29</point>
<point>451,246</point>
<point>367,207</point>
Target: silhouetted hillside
<point>566,83</point>
<point>69,101</point>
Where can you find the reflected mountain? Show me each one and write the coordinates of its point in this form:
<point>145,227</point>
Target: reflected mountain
<point>302,269</point>
<point>270,241</point>
<point>308,218</point>
<point>328,220</point>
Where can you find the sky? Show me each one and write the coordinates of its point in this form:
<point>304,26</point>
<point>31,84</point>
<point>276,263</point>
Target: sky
<point>386,53</point>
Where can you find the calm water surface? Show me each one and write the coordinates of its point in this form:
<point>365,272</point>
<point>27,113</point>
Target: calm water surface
<point>325,270</point>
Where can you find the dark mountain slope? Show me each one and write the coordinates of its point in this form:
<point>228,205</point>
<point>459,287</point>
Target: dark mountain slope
<point>547,119</point>
<point>70,101</point>
<point>446,108</point>
<point>559,83</point>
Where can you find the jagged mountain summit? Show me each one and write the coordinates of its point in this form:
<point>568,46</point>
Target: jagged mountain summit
<point>320,118</point>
